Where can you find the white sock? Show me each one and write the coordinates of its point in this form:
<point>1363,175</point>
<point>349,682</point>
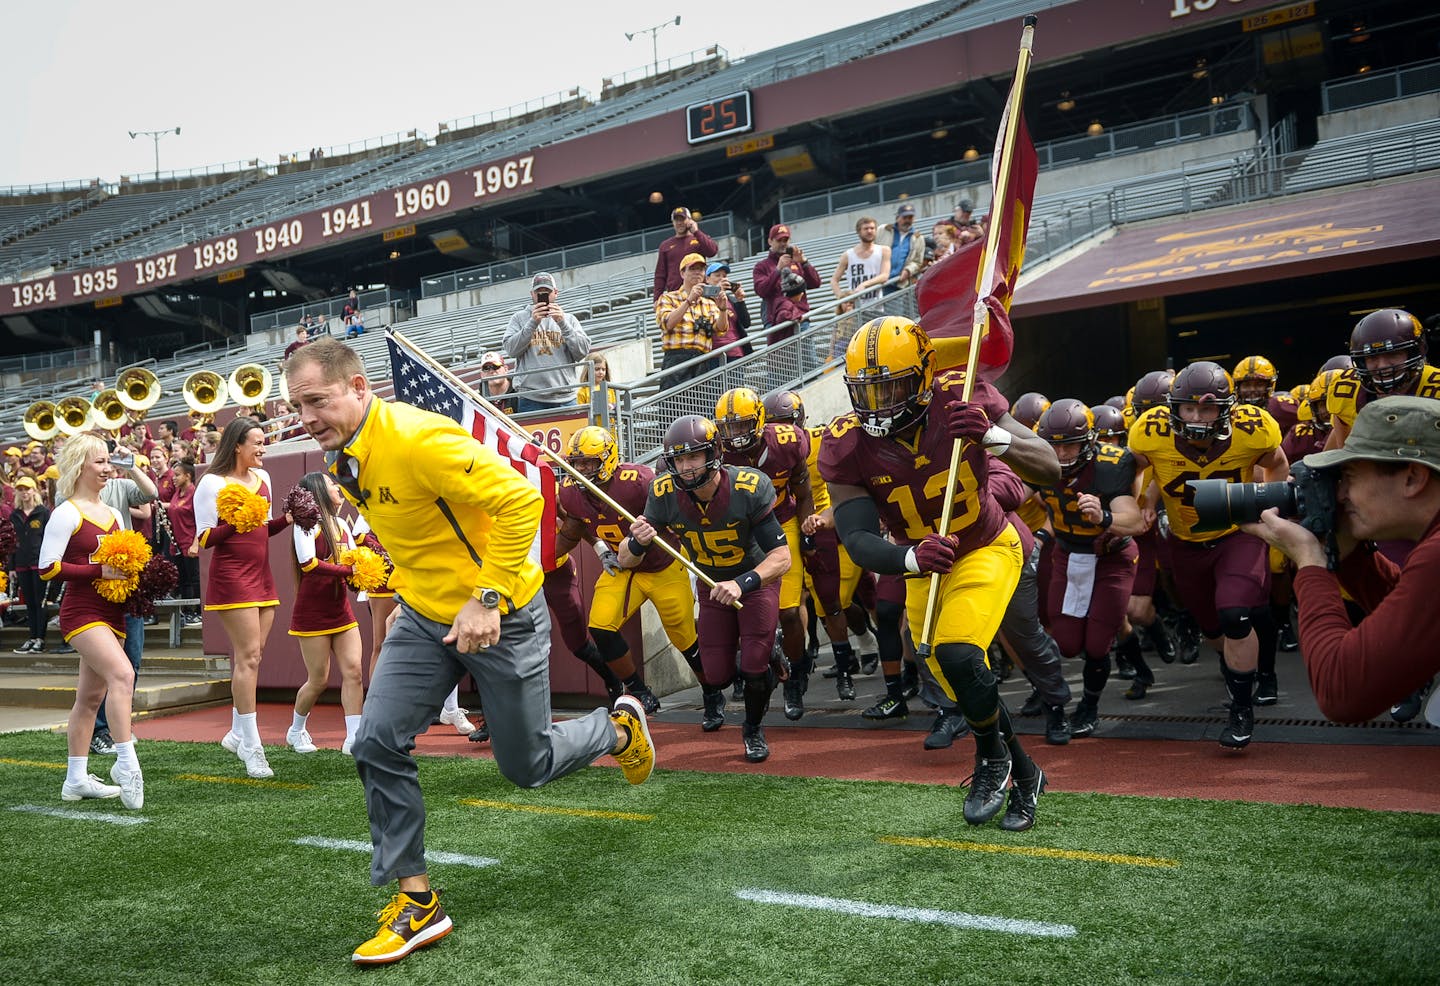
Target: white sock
<point>248,729</point>
<point>76,768</point>
<point>128,761</point>
<point>452,701</point>
<point>352,726</point>
<point>298,721</point>
<point>235,721</point>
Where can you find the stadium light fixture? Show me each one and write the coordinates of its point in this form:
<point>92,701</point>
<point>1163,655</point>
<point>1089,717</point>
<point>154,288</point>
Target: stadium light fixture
<point>1066,103</point>
<point>654,44</point>
<point>155,135</point>
<point>971,153</point>
<point>657,197</point>
<point>1095,129</point>
<point>868,177</point>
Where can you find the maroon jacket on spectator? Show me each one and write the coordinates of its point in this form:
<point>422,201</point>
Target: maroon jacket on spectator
<point>672,251</point>
<point>767,285</point>
<point>1357,672</point>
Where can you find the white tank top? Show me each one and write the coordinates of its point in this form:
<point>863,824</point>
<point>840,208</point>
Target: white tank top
<point>858,271</point>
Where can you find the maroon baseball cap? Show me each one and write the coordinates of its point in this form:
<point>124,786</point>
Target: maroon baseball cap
<point>779,230</point>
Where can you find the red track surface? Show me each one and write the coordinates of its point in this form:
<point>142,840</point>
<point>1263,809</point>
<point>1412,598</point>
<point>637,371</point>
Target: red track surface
<point>1398,778</point>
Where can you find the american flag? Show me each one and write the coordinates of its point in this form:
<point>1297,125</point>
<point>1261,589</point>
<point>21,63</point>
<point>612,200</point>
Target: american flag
<point>418,385</point>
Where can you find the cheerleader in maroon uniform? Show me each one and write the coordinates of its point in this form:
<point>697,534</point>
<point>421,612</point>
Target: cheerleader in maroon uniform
<point>240,588</point>
<point>91,624</point>
<point>322,617</point>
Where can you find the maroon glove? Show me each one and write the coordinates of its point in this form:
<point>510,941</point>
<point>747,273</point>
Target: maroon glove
<point>966,420</point>
<point>935,553</point>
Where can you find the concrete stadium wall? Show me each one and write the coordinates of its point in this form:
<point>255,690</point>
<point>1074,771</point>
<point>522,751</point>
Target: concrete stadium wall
<point>1367,119</point>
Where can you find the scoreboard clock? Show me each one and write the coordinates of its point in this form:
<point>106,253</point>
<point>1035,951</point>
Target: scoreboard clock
<point>716,118</point>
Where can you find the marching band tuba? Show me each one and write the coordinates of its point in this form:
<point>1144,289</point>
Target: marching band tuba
<point>74,415</point>
<point>40,421</point>
<point>108,413</point>
<point>250,385</point>
<point>204,392</point>
<point>138,390</point>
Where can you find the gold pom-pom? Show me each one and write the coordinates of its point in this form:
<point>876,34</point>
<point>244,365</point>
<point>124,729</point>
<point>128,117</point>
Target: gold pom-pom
<point>369,570</point>
<point>240,508</point>
<point>127,551</point>
<point>4,582</point>
<point>117,590</point>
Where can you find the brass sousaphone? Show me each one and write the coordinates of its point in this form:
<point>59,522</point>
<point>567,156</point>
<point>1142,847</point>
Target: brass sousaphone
<point>138,390</point>
<point>204,392</point>
<point>109,414</point>
<point>250,385</point>
<point>41,423</point>
<point>74,415</point>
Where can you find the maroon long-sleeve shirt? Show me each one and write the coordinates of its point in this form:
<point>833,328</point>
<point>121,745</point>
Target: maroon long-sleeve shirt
<point>1358,672</point>
<point>767,283</point>
<point>674,250</point>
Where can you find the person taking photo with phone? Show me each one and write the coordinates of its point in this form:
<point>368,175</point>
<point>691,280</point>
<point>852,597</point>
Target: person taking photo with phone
<point>545,341</point>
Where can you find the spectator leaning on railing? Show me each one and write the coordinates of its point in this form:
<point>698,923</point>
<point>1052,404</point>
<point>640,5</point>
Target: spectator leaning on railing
<point>545,341</point>
<point>1389,489</point>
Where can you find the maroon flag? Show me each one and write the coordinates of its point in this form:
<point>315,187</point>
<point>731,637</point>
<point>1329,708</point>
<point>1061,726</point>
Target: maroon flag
<point>948,291</point>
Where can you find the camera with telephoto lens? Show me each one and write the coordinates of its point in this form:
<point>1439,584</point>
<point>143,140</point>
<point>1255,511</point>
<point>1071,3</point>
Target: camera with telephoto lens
<point>1307,497</point>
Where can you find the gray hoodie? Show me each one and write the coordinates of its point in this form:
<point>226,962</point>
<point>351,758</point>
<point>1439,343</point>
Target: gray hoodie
<point>540,350</point>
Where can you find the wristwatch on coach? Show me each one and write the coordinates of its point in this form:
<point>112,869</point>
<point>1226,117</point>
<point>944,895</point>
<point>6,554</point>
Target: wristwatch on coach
<point>489,598</point>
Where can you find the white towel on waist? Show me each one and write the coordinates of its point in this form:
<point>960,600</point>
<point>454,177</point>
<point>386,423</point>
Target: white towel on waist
<point>1079,585</point>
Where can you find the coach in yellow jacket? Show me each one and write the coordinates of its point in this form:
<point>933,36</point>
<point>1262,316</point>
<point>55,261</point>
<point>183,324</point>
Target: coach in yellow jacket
<point>458,522</point>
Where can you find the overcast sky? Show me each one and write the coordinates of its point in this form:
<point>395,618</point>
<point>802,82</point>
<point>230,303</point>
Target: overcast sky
<point>247,80</point>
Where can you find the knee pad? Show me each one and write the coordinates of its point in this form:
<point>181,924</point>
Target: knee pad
<point>887,614</point>
<point>1236,622</point>
<point>974,684</point>
<point>760,684</point>
<point>611,644</point>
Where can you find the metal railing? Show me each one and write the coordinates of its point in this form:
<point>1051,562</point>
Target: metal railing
<point>226,167</point>
<point>1224,119</point>
<point>576,94</point>
<point>328,308</point>
<point>1380,87</point>
<point>699,56</point>
<point>566,258</point>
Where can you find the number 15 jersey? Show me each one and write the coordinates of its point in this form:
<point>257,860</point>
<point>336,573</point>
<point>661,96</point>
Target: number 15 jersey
<point>719,536</point>
<point>1174,461</point>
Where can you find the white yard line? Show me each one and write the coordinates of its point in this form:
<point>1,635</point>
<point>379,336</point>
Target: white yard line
<point>924,915</point>
<point>433,856</point>
<point>82,816</point>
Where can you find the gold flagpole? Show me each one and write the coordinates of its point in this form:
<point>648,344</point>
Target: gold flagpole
<point>519,431</point>
<point>998,199</point>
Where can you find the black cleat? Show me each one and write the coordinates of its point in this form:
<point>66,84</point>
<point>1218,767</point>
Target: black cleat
<point>756,749</point>
<point>1287,641</point>
<point>614,691</point>
<point>1057,727</point>
<point>909,682</point>
<point>738,691</point>
<point>1139,687</point>
<point>1267,689</point>
<point>887,708</point>
<point>1236,734</point>
<point>714,711</point>
<point>1409,708</point>
<point>1124,670</point>
<point>987,789</point>
<point>1024,795</point>
<point>830,672</point>
<point>845,686</point>
<point>947,727</point>
<point>794,698</point>
<point>1161,640</point>
<point>1085,719</point>
<point>1187,648</point>
<point>868,663</point>
<point>480,735</point>
<point>647,698</point>
<point>1033,705</point>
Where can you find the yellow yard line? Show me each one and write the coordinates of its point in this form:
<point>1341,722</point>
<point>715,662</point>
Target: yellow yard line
<point>33,763</point>
<point>247,781</point>
<point>1038,851</point>
<point>624,816</point>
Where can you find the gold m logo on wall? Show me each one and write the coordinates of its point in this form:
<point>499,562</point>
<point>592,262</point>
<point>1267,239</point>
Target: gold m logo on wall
<point>1189,253</point>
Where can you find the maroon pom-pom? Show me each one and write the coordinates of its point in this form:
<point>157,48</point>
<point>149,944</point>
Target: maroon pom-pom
<point>8,540</point>
<point>158,579</point>
<point>301,506</point>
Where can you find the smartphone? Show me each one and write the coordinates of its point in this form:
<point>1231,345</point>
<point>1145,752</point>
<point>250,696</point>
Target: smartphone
<point>543,296</point>
<point>789,251</point>
<point>710,291</point>
<point>124,460</point>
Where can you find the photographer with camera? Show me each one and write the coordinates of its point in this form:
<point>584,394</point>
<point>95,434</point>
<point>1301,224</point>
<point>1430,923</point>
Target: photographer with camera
<point>1221,572</point>
<point>784,257</point>
<point>545,341</point>
<point>1386,486</point>
<point>690,319</point>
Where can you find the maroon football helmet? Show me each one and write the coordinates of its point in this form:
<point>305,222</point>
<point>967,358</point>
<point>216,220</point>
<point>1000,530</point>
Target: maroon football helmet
<point>784,407</point>
<point>1029,407</point>
<point>1151,389</point>
<point>1109,423</point>
<point>1389,330</point>
<point>1069,422</point>
<point>1200,383</point>
<point>1341,362</point>
<point>1117,402</point>
<point>692,433</point>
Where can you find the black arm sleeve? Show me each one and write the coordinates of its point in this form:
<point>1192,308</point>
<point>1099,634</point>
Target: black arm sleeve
<point>768,534</point>
<point>858,523</point>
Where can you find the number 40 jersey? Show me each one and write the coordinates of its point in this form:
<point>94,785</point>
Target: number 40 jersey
<point>1174,461</point>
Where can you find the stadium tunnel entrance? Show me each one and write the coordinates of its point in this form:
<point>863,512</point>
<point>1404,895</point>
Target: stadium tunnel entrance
<point>1286,280</point>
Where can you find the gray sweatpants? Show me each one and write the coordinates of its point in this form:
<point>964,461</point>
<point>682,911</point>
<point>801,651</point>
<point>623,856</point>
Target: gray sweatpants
<point>414,674</point>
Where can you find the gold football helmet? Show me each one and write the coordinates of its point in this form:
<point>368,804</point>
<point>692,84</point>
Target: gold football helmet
<point>593,454</point>
<point>1317,395</point>
<point>1255,378</point>
<point>740,416</point>
<point>889,370</point>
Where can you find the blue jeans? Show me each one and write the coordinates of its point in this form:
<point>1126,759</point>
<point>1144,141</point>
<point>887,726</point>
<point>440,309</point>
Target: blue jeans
<point>134,647</point>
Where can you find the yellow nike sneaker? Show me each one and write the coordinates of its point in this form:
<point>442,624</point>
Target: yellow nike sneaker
<point>637,759</point>
<point>405,925</point>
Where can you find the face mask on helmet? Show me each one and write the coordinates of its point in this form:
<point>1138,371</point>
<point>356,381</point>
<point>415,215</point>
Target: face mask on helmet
<point>692,434</point>
<point>740,417</point>
<point>785,408</point>
<point>1069,425</point>
<point>1388,347</point>
<point>593,454</point>
<point>889,367</point>
<point>1201,385</point>
<point>1255,379</point>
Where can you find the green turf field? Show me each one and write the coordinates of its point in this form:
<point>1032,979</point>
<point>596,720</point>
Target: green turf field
<point>699,881</point>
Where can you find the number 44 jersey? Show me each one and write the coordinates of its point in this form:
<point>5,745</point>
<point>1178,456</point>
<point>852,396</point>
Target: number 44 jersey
<point>719,535</point>
<point>1174,461</point>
